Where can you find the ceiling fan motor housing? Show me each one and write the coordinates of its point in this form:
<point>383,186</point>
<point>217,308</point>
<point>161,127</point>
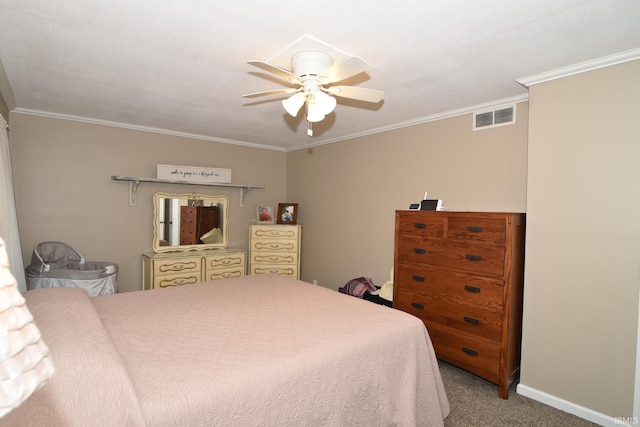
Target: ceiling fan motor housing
<point>310,64</point>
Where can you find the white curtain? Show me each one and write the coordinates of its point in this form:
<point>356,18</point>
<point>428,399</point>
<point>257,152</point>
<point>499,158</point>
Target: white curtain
<point>8,217</point>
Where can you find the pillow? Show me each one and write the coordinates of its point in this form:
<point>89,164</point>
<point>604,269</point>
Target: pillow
<point>212,236</point>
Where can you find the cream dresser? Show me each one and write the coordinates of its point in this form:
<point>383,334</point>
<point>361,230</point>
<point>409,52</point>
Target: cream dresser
<point>166,269</point>
<point>462,274</point>
<point>275,249</point>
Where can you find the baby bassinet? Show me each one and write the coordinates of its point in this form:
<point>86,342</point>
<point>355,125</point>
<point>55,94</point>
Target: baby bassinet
<point>56,264</point>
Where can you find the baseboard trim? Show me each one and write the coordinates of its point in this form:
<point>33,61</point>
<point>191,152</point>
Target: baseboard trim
<point>572,408</point>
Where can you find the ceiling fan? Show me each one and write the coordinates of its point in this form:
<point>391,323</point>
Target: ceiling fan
<point>313,75</point>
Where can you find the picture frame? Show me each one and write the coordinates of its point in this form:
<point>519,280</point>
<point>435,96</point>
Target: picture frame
<point>264,214</point>
<point>287,213</point>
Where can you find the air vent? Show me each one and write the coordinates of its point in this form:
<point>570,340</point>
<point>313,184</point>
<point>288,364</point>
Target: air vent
<point>490,119</point>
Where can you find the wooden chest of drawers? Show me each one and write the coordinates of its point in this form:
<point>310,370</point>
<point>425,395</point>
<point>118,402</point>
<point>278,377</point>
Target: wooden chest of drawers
<point>162,270</point>
<point>462,274</point>
<point>275,249</point>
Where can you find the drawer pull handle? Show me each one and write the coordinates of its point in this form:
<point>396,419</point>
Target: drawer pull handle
<point>420,225</point>
<point>472,289</point>
<point>417,305</point>
<point>471,320</point>
<point>474,229</point>
<point>474,258</point>
<point>418,278</point>
<point>469,351</point>
<point>419,251</point>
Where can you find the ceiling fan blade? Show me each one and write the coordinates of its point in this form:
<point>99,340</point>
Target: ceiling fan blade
<point>358,93</point>
<point>271,92</point>
<point>279,72</point>
<point>345,69</point>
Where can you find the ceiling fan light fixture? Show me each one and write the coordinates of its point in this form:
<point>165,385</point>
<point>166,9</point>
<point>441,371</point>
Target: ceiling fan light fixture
<point>325,102</point>
<point>294,103</point>
<point>314,113</point>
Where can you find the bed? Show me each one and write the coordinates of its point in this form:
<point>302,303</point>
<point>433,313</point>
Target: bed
<point>257,350</point>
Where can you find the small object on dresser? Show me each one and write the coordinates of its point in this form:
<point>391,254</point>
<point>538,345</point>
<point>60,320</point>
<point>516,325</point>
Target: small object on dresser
<point>287,213</point>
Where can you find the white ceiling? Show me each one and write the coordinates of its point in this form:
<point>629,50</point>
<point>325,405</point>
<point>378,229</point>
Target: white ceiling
<point>180,66</point>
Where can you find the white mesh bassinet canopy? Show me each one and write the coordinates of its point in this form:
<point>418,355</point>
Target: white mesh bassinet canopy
<point>56,264</point>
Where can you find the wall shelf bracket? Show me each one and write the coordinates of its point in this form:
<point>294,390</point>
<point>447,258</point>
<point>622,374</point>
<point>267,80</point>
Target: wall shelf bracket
<point>133,191</point>
<point>135,181</point>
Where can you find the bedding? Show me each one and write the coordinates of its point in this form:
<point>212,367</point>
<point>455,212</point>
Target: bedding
<point>257,350</point>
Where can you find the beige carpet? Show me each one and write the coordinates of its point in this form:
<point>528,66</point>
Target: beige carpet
<point>475,402</point>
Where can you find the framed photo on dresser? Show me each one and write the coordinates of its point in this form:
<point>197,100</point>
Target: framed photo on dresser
<point>265,214</point>
<point>287,213</point>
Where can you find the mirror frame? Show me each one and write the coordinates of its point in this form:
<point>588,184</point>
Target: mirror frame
<point>181,248</point>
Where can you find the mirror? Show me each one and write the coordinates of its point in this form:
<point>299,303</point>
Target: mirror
<point>183,222</point>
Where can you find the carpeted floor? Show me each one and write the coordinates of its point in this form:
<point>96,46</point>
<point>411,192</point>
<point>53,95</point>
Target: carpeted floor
<point>475,402</point>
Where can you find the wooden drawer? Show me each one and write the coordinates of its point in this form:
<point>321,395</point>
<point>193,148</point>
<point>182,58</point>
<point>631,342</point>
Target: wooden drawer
<point>479,230</point>
<point>182,265</point>
<point>282,270</point>
<point>274,258</point>
<point>225,273</point>
<point>475,321</point>
<point>477,356</point>
<point>478,259</point>
<point>225,261</point>
<point>176,279</point>
<point>465,289</point>
<point>282,245</point>
<point>275,231</point>
<point>415,224</point>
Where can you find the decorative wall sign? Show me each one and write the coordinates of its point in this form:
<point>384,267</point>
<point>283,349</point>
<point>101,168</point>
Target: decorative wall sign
<point>194,174</point>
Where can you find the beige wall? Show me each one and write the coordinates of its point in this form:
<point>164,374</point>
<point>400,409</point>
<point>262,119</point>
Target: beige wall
<point>348,192</point>
<point>62,177</point>
<point>583,239</point>
<point>4,110</point>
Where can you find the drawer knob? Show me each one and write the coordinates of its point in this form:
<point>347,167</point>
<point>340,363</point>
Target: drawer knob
<point>474,229</point>
<point>469,351</point>
<point>474,258</point>
<point>418,278</point>
<point>419,251</point>
<point>420,225</point>
<point>472,289</point>
<point>417,305</point>
<point>471,320</point>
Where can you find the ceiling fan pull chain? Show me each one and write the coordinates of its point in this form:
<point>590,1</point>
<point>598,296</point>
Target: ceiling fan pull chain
<point>309,130</point>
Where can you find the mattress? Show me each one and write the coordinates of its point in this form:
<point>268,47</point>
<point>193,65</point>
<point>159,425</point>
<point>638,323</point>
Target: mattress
<point>257,350</point>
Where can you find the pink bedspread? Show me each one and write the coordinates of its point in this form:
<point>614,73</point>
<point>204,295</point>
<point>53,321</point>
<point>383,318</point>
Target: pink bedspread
<point>258,350</point>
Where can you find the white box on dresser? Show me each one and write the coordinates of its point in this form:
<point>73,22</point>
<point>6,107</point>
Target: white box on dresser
<point>275,249</point>
<point>167,269</point>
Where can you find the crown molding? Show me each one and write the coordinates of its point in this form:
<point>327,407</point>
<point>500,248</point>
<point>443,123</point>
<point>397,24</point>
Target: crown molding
<point>140,128</point>
<point>496,104</point>
<point>583,67</point>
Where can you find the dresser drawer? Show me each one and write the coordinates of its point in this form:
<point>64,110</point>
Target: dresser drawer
<point>465,289</point>
<point>176,279</point>
<point>281,270</point>
<point>416,224</point>
<point>274,258</point>
<point>276,231</point>
<point>182,265</point>
<point>282,245</point>
<point>224,273</point>
<point>224,261</point>
<point>477,356</point>
<point>480,230</point>
<point>479,259</point>
<point>475,321</point>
